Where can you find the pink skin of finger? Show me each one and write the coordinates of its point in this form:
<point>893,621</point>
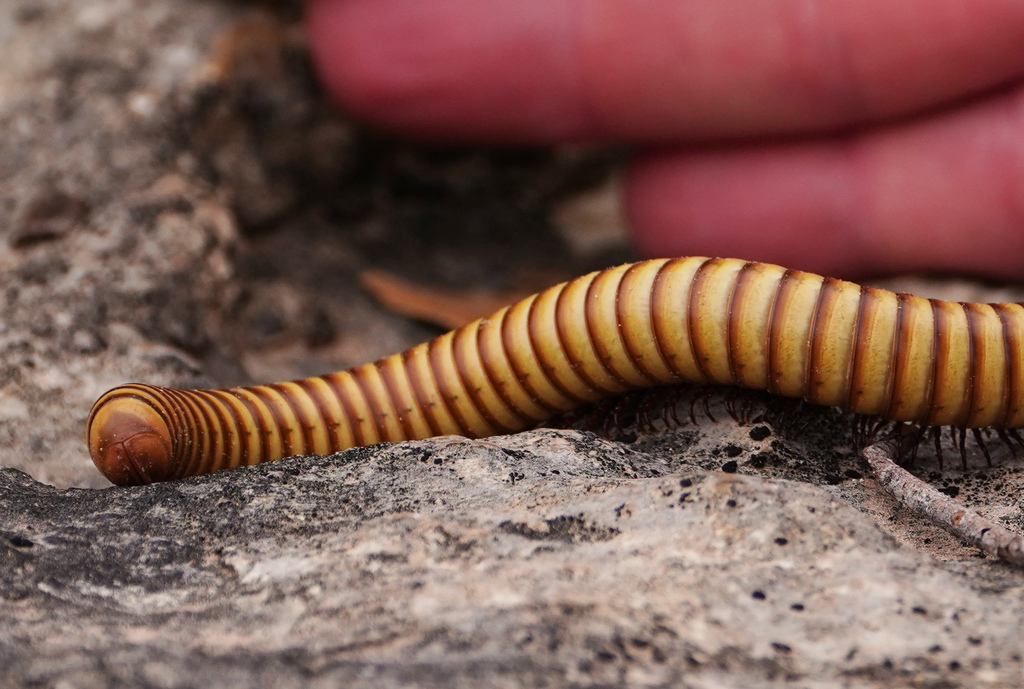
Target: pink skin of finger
<point>850,138</point>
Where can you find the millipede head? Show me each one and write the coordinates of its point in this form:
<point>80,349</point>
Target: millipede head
<point>130,441</point>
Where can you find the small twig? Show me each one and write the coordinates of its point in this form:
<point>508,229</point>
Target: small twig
<point>924,500</point>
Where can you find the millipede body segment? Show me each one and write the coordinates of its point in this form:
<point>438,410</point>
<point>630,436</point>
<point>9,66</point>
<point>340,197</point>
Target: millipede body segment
<point>755,325</point>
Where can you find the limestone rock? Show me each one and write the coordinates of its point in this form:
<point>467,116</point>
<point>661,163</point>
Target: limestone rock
<point>547,559</point>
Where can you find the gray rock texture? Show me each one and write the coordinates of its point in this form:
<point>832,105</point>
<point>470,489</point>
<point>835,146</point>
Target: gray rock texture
<point>114,250</point>
<point>180,205</point>
<point>542,559</point>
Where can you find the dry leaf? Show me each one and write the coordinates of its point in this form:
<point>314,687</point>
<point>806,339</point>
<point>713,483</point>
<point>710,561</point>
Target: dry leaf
<point>251,47</point>
<point>444,307</point>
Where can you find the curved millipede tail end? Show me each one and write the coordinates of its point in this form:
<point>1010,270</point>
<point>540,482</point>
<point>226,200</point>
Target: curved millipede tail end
<point>129,440</point>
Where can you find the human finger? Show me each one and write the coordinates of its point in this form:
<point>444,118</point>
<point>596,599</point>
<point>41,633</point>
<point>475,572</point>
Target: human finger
<point>937,194</point>
<point>550,70</point>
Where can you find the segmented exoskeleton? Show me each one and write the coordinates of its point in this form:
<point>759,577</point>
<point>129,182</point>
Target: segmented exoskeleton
<point>866,350</point>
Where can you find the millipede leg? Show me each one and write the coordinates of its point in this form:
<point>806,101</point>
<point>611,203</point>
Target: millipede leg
<point>745,410</point>
<point>730,406</point>
<point>648,407</point>
<point>879,427</point>
<point>937,437</point>
<point>857,433</point>
<point>907,438</point>
<point>707,408</point>
<point>667,405</point>
<point>673,409</point>
<point>693,410</point>
<point>1007,441</point>
<point>644,414</point>
<point>1012,432</point>
<point>917,431</point>
<point>981,443</point>
<point>963,446</point>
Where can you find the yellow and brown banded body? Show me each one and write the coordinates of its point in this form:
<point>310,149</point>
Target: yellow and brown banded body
<point>866,350</point>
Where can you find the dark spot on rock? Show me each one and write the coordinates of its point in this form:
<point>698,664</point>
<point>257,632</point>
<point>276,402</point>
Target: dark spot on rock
<point>781,541</point>
<point>974,640</point>
<point>564,529</point>
<point>51,215</point>
<point>781,648</point>
<point>951,491</point>
<point>935,649</point>
<point>730,467</point>
<point>918,610</point>
<point>686,482</point>
<point>320,331</point>
<point>733,450</point>
<point>268,322</point>
<point>760,432</point>
<point>758,595</point>
<point>88,342</point>
<point>730,503</point>
<point>40,272</point>
<point>19,541</point>
<point>757,460</point>
<point>798,607</point>
<point>26,14</point>
<point>438,461</point>
<point>954,665</point>
<point>832,479</point>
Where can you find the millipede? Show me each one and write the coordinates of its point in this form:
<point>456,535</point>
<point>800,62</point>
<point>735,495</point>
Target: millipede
<point>865,350</point>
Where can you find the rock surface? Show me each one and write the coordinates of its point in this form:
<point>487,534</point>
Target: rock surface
<point>546,559</point>
<point>179,205</point>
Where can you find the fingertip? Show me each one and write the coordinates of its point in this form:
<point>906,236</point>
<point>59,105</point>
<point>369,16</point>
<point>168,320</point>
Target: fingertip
<point>537,70</point>
<point>342,50</point>
<point>450,69</point>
